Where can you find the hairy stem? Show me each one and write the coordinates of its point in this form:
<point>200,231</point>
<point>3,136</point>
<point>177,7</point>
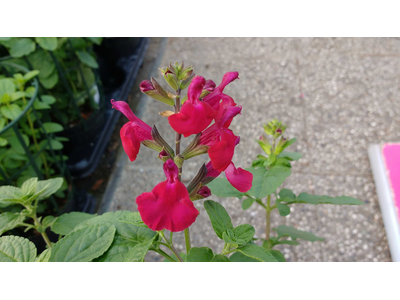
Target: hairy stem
<point>44,235</point>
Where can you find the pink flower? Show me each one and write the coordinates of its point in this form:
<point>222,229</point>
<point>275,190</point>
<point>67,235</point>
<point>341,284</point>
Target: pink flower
<point>168,205</point>
<point>194,115</point>
<point>146,86</point>
<point>132,133</point>
<point>240,179</point>
<point>213,98</point>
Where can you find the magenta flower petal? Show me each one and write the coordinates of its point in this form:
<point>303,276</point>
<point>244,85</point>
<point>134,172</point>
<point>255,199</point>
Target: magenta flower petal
<point>239,178</point>
<point>129,140</point>
<point>195,88</point>
<point>221,152</point>
<point>168,205</point>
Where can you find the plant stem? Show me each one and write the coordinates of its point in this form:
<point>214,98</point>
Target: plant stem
<point>187,240</point>
<point>267,217</point>
<point>172,246</point>
<point>162,253</point>
<point>44,235</point>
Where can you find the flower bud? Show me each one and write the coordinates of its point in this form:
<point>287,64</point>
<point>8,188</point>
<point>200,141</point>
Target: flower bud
<point>163,155</point>
<point>186,82</point>
<point>170,78</point>
<point>155,91</point>
<point>208,88</point>
<point>202,193</point>
<point>265,145</point>
<point>280,146</point>
<point>160,141</point>
<point>186,73</point>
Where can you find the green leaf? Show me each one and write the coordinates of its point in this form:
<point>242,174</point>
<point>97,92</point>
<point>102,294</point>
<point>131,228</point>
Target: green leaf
<point>96,40</point>
<point>55,144</point>
<point>7,86</point>
<point>229,236</point>
<point>11,111</point>
<point>50,81</point>
<point>9,221</point>
<point>286,195</point>
<point>16,249</point>
<point>243,233</point>
<point>266,182</point>
<point>44,256</point>
<point>9,193</point>
<point>247,203</point>
<point>124,230</point>
<point>220,258</point>
<point>16,96</point>
<point>288,242</point>
<point>290,155</point>
<point>296,234</point>
<point>48,43</point>
<point>256,252</point>
<point>38,105</point>
<point>239,257</point>
<point>31,74</point>
<point>16,145</point>
<point>51,127</point>
<point>316,199</point>
<point>42,61</point>
<point>48,99</point>
<point>87,59</point>
<point>202,254</point>
<point>83,245</point>
<point>22,47</point>
<point>50,186</point>
<point>278,255</point>
<point>283,209</point>
<point>219,218</point>
<point>29,186</point>
<point>222,188</point>
<point>133,219</point>
<point>67,222</point>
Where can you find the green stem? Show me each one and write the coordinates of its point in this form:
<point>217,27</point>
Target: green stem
<point>187,239</point>
<point>44,235</point>
<point>171,246</point>
<point>162,253</point>
<point>267,217</point>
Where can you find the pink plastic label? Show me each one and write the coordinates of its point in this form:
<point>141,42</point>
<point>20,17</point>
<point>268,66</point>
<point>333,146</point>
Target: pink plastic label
<point>391,154</point>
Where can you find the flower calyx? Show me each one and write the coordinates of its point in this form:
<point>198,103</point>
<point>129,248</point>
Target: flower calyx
<point>154,90</point>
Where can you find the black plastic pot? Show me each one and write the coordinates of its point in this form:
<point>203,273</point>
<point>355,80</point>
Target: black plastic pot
<point>119,61</point>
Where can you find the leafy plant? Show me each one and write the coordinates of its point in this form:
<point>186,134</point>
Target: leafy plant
<point>269,172</point>
<point>65,72</point>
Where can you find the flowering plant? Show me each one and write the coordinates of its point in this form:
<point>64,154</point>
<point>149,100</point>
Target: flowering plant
<point>206,114</point>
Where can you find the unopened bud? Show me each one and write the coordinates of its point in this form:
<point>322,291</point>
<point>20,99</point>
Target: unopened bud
<point>152,145</point>
<point>170,78</point>
<point>186,73</point>
<point>155,91</point>
<point>202,193</point>
<point>163,155</point>
<point>265,145</point>
<point>185,83</point>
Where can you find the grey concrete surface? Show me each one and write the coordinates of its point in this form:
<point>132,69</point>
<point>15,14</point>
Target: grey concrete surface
<point>337,96</point>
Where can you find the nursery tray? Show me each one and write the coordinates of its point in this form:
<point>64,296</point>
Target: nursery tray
<point>385,164</point>
<point>124,65</point>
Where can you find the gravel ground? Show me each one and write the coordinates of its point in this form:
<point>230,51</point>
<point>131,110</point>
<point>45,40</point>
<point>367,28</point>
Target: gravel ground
<point>337,96</point>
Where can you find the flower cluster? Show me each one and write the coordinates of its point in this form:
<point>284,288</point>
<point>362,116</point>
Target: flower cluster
<point>206,113</point>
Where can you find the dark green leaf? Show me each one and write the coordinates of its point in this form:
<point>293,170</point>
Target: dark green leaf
<point>287,195</point>
<point>202,254</point>
<point>67,222</point>
<point>288,242</point>
<point>16,249</point>
<point>83,245</point>
<point>257,252</point>
<point>219,218</point>
<point>51,127</point>
<point>283,209</point>
<point>247,203</point>
<point>48,43</point>
<point>222,188</point>
<point>50,81</point>
<point>42,61</point>
<point>296,234</point>
<point>87,59</point>
<point>22,47</point>
<point>220,258</point>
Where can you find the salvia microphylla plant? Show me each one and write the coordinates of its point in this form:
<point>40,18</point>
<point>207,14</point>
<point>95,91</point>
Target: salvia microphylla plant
<point>206,113</point>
